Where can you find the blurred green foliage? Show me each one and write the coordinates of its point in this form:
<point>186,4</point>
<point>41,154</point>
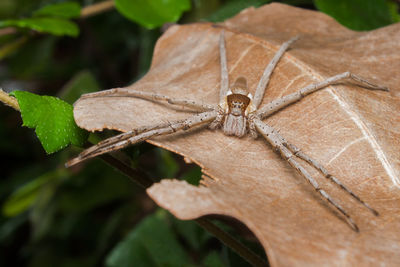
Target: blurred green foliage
<point>152,13</point>
<point>360,15</point>
<point>51,19</point>
<point>56,26</point>
<point>91,215</point>
<point>231,8</point>
<point>66,10</point>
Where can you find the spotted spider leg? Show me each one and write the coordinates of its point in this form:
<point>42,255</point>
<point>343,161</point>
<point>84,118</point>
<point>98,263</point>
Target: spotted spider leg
<point>116,144</point>
<point>123,136</point>
<point>276,141</point>
<point>224,86</point>
<point>262,84</point>
<point>298,153</point>
<point>125,92</point>
<point>224,68</point>
<point>280,103</point>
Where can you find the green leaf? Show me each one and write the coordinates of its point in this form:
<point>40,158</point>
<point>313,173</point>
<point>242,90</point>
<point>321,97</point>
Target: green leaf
<point>150,243</point>
<point>152,13</point>
<point>358,15</point>
<point>25,196</point>
<point>233,7</point>
<point>53,120</point>
<point>394,11</point>
<point>63,10</point>
<point>56,26</point>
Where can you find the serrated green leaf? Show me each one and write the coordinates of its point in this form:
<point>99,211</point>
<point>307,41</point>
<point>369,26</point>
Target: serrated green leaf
<point>63,10</point>
<point>152,13</point>
<point>53,120</point>
<point>55,26</point>
<point>150,243</point>
<point>360,15</point>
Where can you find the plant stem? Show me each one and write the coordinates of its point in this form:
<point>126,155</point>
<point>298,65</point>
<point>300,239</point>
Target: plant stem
<point>97,8</point>
<point>9,100</point>
<point>8,30</point>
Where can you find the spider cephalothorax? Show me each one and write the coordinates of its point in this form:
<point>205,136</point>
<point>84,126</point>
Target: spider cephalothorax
<point>235,107</point>
<point>237,112</point>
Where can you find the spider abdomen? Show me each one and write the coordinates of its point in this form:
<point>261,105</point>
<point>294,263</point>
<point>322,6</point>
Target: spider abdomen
<point>235,125</point>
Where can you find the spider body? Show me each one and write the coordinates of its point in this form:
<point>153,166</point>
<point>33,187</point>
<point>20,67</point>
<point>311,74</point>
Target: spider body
<point>237,113</point>
<point>236,108</point>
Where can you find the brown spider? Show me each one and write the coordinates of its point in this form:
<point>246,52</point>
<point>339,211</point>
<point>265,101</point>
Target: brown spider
<point>238,113</point>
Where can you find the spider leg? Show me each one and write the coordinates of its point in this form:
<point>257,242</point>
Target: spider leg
<point>224,68</point>
<point>118,92</point>
<point>130,138</point>
<point>298,153</point>
<point>126,135</point>
<point>262,84</point>
<point>274,138</point>
<point>217,123</point>
<point>287,100</point>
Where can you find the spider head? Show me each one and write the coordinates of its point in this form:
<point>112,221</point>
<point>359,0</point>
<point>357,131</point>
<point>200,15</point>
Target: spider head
<point>238,99</point>
<point>237,105</point>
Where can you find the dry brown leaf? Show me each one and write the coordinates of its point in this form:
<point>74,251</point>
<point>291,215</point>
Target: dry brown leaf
<point>354,132</point>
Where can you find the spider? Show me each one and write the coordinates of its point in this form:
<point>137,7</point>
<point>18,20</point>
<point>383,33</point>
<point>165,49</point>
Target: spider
<point>237,114</point>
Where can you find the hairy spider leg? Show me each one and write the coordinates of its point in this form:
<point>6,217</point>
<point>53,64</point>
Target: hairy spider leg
<point>298,153</point>
<point>287,100</point>
<point>118,92</point>
<point>273,137</point>
<point>186,124</point>
<point>315,164</point>
<point>262,84</point>
<point>224,68</point>
<point>123,136</point>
